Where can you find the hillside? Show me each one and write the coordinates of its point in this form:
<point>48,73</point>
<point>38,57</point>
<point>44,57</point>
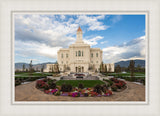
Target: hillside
<point>35,66</point>
<point>126,63</point>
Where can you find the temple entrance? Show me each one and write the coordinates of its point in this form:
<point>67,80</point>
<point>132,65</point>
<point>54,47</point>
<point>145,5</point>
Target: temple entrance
<point>79,69</point>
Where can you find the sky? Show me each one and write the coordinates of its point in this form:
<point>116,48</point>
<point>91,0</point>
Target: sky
<point>38,37</point>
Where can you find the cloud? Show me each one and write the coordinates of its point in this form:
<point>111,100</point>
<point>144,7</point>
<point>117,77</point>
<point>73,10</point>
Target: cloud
<point>93,41</point>
<point>31,49</point>
<point>43,35</point>
<point>134,49</point>
<point>92,22</point>
<point>116,18</point>
<point>103,42</point>
<point>62,17</point>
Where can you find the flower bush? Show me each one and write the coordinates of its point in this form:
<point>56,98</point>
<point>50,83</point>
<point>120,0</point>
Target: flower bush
<point>40,84</point>
<point>118,84</point>
<point>67,90</point>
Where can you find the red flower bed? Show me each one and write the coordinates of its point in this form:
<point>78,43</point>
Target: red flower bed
<point>41,84</point>
<point>75,92</point>
<point>119,83</point>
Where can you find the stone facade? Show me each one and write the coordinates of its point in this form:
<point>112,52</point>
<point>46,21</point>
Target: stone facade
<point>51,68</point>
<point>79,57</point>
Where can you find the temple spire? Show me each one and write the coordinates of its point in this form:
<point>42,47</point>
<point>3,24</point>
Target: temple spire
<point>79,35</point>
<point>79,29</point>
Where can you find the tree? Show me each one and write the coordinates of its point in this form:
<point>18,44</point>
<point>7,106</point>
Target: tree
<point>42,68</point>
<point>132,69</point>
<point>102,68</point>
<point>105,68</point>
<point>118,69</point>
<point>138,68</point>
<point>53,69</point>
<point>30,66</point>
<point>106,71</point>
<point>110,69</point>
<point>58,71</point>
<point>23,67</point>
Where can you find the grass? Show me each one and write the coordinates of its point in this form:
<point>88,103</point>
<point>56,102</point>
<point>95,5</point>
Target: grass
<point>140,74</point>
<point>34,74</point>
<point>75,83</point>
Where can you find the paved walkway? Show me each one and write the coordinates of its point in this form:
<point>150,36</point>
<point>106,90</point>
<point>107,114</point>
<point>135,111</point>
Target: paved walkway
<point>28,92</point>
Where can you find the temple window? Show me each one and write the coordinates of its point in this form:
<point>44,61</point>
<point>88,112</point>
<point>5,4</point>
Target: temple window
<point>91,54</point>
<point>66,55</point>
<point>79,53</point>
<point>76,53</point>
<point>82,53</point>
<point>61,55</point>
<point>97,54</point>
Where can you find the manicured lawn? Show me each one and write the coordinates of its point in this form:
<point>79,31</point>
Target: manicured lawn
<point>140,74</point>
<point>75,83</point>
<point>34,74</point>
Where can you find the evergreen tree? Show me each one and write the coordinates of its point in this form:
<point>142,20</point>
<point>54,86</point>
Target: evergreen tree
<point>42,69</point>
<point>30,68</point>
<point>110,69</point>
<point>23,67</point>
<point>117,69</point>
<point>132,69</point>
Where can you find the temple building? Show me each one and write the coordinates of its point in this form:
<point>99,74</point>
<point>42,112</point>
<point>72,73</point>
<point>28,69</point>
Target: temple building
<point>79,57</point>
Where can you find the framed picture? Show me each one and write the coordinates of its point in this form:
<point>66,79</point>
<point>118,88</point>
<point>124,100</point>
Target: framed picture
<point>68,55</point>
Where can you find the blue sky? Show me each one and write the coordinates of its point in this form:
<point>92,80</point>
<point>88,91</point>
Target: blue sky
<point>39,37</point>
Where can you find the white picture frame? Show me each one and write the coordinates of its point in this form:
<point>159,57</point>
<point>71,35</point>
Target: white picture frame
<point>7,107</point>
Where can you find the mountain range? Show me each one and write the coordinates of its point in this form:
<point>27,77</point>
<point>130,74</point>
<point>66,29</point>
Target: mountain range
<point>35,66</point>
<point>126,63</point>
<point>39,66</point>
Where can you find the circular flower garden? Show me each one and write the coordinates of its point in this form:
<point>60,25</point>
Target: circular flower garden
<point>49,86</point>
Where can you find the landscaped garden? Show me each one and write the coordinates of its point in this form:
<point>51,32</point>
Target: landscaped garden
<point>138,76</point>
<point>21,77</point>
<point>80,88</point>
<point>75,83</point>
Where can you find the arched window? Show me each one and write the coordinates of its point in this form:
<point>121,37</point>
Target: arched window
<point>61,55</point>
<point>66,55</point>
<point>97,54</point>
<point>91,54</point>
<point>76,53</point>
<point>79,53</point>
<point>82,53</point>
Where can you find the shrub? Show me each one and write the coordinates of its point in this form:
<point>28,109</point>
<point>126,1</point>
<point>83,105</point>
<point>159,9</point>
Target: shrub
<point>17,82</point>
<point>109,82</point>
<point>42,84</point>
<point>114,87</point>
<point>114,80</point>
<point>50,82</point>
<point>52,85</point>
<point>66,88</point>
<point>45,79</point>
<point>85,94</point>
<point>80,86</point>
<point>46,87</point>
<point>57,93</point>
<point>97,89</point>
<point>104,88</point>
